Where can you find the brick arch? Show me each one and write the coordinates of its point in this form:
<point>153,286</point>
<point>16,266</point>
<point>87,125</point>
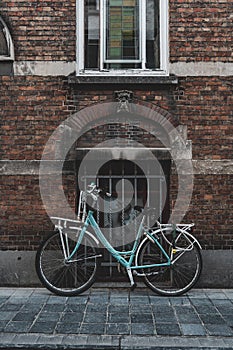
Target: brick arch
<point>172,118</point>
<point>88,116</point>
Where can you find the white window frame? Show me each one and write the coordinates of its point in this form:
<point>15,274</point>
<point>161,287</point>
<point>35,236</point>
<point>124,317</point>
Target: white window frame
<point>11,55</point>
<point>164,44</point>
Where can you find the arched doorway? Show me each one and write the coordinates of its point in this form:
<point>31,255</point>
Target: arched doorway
<point>118,165</point>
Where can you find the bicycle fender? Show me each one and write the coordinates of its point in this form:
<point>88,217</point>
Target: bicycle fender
<point>146,238</point>
<point>92,236</point>
<point>193,238</point>
<point>186,233</point>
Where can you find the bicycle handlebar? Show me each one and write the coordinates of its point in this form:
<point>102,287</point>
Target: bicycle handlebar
<point>94,191</point>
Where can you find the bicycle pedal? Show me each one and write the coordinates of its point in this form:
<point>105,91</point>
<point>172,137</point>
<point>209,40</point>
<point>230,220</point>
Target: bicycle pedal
<point>133,286</point>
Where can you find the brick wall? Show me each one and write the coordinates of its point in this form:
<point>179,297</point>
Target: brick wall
<point>41,30</point>
<point>200,30</point>
<point>205,105</point>
<point>33,106</point>
<point>210,209</point>
<point>45,30</point>
<point>24,219</point>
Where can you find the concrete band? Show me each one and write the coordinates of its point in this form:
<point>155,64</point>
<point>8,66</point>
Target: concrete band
<point>31,167</point>
<point>17,269</point>
<point>180,69</point>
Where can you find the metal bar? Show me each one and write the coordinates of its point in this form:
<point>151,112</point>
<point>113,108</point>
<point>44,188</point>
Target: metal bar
<point>148,193</point>
<point>102,32</point>
<point>160,198</point>
<point>110,217</point>
<point>123,204</point>
<point>142,38</point>
<point>79,36</point>
<point>163,32</point>
<point>122,61</point>
<point>79,205</point>
<point>123,148</point>
<point>85,207</point>
<point>149,266</point>
<point>67,244</point>
<point>159,179</point>
<point>63,244</point>
<point>128,176</point>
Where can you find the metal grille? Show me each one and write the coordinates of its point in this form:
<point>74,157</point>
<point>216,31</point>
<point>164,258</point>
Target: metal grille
<point>145,188</point>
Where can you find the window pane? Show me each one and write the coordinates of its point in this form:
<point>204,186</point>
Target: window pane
<point>152,34</point>
<point>3,43</point>
<point>123,42</point>
<point>92,33</point>
<point>122,30</point>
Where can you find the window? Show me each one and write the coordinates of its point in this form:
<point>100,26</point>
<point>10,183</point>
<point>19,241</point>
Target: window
<point>122,35</point>
<point>6,45</point>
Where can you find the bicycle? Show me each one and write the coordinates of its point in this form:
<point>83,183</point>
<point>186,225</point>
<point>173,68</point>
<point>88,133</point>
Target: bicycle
<point>166,256</point>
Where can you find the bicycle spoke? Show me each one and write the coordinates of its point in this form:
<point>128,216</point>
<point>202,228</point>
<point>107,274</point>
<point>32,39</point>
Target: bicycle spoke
<point>175,279</point>
<point>66,278</point>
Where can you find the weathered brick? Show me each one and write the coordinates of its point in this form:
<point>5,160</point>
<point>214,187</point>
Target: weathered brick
<point>33,106</point>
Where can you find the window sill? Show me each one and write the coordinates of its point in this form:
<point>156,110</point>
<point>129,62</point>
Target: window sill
<point>123,79</point>
<point>6,58</point>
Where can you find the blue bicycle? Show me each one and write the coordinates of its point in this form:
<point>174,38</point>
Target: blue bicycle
<point>166,256</point>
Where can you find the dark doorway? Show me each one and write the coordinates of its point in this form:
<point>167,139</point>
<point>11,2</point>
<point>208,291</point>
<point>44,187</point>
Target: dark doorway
<point>144,188</point>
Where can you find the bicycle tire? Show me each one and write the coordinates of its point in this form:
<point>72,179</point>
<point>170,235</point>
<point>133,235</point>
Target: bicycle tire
<point>172,280</point>
<point>59,277</point>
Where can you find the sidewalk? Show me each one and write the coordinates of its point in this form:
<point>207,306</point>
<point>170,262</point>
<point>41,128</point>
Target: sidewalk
<point>116,318</point>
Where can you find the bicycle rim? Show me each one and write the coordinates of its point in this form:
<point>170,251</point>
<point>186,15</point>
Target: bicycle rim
<point>66,278</point>
<point>176,279</point>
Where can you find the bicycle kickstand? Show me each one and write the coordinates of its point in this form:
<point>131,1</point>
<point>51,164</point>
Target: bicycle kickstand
<point>133,284</point>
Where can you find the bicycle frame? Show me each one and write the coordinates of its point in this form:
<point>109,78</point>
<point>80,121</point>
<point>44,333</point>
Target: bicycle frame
<point>118,255</point>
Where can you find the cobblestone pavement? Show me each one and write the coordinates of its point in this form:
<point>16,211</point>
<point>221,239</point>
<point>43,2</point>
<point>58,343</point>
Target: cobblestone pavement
<point>116,318</point>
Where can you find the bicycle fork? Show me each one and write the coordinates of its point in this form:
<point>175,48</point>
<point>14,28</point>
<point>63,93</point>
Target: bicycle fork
<point>133,284</point>
<point>65,244</point>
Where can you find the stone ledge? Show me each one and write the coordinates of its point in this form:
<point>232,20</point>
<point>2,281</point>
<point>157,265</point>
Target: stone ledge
<point>180,69</point>
<point>31,167</point>
<point>137,79</point>
<point>205,167</point>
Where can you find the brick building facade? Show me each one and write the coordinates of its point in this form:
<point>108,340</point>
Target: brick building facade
<point>47,77</point>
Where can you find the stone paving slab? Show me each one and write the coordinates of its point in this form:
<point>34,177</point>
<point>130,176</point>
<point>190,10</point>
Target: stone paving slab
<point>91,342</point>
<point>116,318</point>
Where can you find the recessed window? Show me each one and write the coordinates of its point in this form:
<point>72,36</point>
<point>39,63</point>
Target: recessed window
<point>3,42</point>
<point>124,35</point>
<point>6,45</point>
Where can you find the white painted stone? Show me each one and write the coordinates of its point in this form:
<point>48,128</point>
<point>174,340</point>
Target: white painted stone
<point>196,69</point>
<point>180,69</point>
<point>44,68</point>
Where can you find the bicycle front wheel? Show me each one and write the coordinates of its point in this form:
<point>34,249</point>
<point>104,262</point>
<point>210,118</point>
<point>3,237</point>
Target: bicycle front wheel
<point>61,277</point>
<point>175,279</point>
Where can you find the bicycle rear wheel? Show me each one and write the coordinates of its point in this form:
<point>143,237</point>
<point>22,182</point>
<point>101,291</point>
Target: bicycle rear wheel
<point>175,279</point>
<point>60,277</point>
